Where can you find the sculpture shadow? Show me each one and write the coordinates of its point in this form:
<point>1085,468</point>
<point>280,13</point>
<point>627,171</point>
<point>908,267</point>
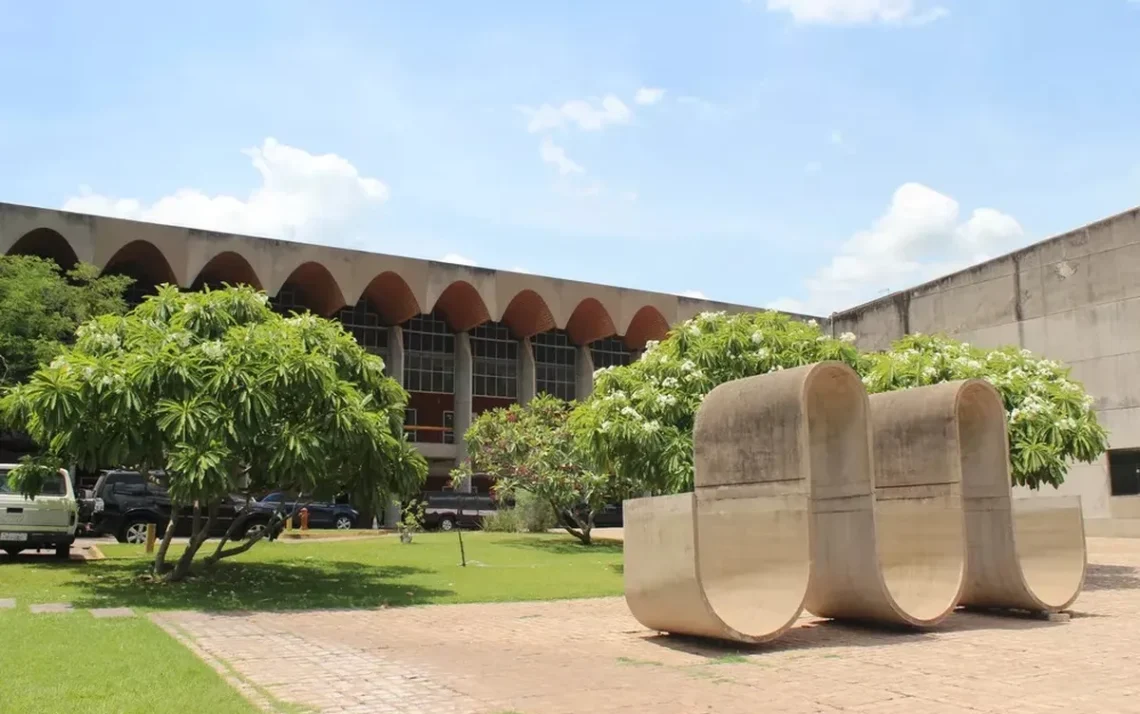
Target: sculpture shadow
<point>1099,576</point>
<point>834,634</point>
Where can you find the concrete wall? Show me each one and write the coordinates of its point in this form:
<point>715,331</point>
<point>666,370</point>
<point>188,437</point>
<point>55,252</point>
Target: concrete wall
<point>1074,298</point>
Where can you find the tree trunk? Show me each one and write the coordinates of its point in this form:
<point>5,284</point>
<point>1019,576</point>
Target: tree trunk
<point>160,556</point>
<point>197,537</point>
<point>582,532</point>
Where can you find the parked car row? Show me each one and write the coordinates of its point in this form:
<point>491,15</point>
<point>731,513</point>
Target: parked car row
<point>447,510</point>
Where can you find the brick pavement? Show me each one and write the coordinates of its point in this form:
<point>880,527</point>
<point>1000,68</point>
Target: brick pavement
<point>590,656</point>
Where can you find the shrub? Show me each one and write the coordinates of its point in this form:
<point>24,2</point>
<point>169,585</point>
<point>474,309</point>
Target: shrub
<point>504,520</point>
<point>534,514</point>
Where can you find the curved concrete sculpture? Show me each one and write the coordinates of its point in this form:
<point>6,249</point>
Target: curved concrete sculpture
<point>1026,554</point>
<point>785,515</point>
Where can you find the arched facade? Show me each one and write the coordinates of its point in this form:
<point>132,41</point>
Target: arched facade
<point>46,243</point>
<point>227,267</point>
<point>392,298</point>
<point>144,262</point>
<point>463,306</point>
<point>647,324</point>
<point>310,287</point>
<point>590,321</point>
<point>527,314</point>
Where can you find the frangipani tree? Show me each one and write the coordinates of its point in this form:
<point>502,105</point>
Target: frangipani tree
<point>1051,417</point>
<point>222,395</point>
<point>639,419</point>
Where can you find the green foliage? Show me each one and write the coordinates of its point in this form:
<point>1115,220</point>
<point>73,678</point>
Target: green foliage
<point>535,515</point>
<point>222,394</point>
<point>639,419</point>
<point>40,307</point>
<point>1051,418</point>
<point>531,448</point>
<point>504,520</point>
<point>412,517</point>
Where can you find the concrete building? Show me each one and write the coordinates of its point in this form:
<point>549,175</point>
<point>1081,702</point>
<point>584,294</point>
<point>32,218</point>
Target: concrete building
<point>1074,298</point>
<point>460,339</point>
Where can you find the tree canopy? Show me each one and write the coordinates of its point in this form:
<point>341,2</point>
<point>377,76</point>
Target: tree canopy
<point>41,305</point>
<point>639,419</point>
<point>223,395</point>
<point>531,448</point>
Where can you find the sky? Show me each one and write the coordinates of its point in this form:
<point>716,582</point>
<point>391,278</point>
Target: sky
<point>802,154</point>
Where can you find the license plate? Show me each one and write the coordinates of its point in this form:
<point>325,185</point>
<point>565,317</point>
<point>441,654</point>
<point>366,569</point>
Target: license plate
<point>14,536</point>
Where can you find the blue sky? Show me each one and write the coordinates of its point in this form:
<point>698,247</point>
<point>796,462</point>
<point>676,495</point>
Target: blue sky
<point>808,154</point>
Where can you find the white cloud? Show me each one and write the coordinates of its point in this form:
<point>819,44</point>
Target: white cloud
<point>301,196</point>
<point>649,95</point>
<point>551,153</point>
<point>580,112</point>
<point>920,237</point>
<point>458,259</point>
<point>860,12</point>
<point>695,294</point>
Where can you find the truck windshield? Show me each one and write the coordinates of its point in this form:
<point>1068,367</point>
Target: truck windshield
<point>52,486</point>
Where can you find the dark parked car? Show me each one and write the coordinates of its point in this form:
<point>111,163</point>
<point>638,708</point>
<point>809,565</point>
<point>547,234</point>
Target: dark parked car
<point>125,502</point>
<point>609,516</point>
<point>322,514</point>
<point>447,509</point>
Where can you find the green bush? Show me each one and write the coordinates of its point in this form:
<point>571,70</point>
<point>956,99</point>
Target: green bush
<point>534,514</point>
<point>504,520</point>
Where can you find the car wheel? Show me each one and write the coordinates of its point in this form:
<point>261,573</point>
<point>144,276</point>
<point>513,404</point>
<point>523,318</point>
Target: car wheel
<point>13,550</point>
<point>254,530</point>
<point>446,524</point>
<point>135,532</point>
<point>63,550</point>
<point>343,523</point>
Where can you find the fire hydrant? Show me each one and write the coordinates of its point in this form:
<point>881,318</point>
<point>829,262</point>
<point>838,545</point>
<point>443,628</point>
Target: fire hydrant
<point>304,519</point>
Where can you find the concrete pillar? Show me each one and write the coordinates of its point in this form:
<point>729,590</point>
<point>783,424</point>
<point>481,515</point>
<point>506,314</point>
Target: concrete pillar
<point>463,384</point>
<point>584,379</point>
<point>395,368</point>
<point>527,372</point>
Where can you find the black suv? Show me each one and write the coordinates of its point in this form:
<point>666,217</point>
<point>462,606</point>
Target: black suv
<point>322,514</point>
<point>125,502</point>
<point>447,509</point>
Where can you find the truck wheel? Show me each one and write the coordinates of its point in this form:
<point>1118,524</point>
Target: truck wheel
<point>13,550</point>
<point>63,550</point>
<point>446,523</point>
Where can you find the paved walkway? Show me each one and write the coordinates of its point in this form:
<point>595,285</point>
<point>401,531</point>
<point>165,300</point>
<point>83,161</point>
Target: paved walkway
<point>590,656</point>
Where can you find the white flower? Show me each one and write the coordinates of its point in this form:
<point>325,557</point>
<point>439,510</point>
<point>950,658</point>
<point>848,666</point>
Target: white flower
<point>666,400</point>
<point>694,375</point>
<point>606,425</point>
<point>848,337</point>
<point>214,350</point>
<point>812,323</point>
<point>694,330</point>
<point>763,353</point>
<point>670,382</point>
<point>757,337</point>
<point>688,365</point>
<point>630,412</point>
<point>88,372</point>
<point>651,426</point>
<point>58,363</point>
<point>929,372</point>
<point>599,372</point>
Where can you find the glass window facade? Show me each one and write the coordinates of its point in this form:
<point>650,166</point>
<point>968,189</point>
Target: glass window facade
<point>429,355</point>
<point>555,358</point>
<point>495,368</point>
<point>364,324</point>
<point>610,352</point>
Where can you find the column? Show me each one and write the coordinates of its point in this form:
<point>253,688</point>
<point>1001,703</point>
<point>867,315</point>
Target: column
<point>462,408</point>
<point>584,378</point>
<point>528,385</point>
<point>395,368</point>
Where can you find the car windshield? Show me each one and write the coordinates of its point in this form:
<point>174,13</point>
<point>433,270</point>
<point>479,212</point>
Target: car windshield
<point>52,486</point>
<point>272,498</point>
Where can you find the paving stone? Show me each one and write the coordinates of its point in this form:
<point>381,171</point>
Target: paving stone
<point>7,603</point>
<point>50,607</point>
<point>108,612</point>
<point>591,655</point>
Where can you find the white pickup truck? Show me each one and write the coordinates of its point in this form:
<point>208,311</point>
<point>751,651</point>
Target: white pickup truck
<point>46,522</point>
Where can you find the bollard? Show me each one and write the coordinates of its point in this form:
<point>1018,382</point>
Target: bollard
<point>150,537</point>
<point>304,519</point>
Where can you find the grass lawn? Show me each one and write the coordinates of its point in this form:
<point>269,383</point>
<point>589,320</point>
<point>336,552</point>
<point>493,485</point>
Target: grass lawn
<point>351,574</point>
<point>72,662</point>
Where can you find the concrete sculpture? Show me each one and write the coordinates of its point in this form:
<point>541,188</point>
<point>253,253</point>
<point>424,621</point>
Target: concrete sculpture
<point>809,495</point>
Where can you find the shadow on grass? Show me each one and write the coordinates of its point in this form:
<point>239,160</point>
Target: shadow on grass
<point>564,546</point>
<point>250,586</point>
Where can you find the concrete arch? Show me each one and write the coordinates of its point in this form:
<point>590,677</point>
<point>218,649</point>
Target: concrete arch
<point>318,289</point>
<point>46,243</point>
<point>144,262</point>
<point>392,298</point>
<point>590,321</point>
<point>647,324</point>
<point>227,267</point>
<point>528,314</point>
<point>462,305</point>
